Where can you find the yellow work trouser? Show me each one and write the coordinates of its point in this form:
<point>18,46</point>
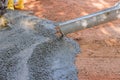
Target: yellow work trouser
<point>20,4</point>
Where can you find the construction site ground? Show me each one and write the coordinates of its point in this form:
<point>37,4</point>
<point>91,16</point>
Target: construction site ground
<point>99,58</point>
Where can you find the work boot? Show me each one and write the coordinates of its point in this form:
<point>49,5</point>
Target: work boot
<point>20,4</point>
<point>10,4</point>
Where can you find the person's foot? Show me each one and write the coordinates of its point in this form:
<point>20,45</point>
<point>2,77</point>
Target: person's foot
<point>11,8</point>
<point>19,6</point>
<point>10,5</point>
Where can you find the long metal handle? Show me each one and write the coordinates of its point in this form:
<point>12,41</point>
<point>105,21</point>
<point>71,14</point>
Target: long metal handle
<point>88,21</point>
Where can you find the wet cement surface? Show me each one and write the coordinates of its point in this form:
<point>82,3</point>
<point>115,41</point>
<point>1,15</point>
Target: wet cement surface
<point>29,50</point>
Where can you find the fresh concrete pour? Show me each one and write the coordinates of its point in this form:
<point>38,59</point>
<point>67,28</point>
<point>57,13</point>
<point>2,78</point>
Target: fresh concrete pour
<point>29,50</point>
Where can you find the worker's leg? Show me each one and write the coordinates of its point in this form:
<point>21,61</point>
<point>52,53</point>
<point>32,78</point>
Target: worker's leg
<point>6,2</point>
<point>20,4</point>
<point>10,4</point>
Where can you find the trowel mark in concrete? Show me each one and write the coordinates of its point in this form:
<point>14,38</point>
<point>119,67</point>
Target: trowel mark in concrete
<point>54,61</point>
<point>22,72</point>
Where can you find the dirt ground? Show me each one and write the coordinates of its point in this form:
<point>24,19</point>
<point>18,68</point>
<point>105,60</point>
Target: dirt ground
<point>100,46</point>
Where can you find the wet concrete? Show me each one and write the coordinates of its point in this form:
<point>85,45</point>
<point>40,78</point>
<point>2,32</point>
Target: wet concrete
<point>29,50</point>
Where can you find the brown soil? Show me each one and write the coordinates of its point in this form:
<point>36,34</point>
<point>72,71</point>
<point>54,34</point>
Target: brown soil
<point>100,46</point>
